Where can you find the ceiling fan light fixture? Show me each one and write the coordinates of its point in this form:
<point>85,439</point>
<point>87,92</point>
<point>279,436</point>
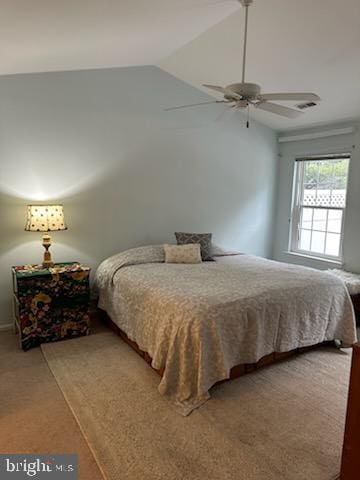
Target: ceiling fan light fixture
<point>242,104</point>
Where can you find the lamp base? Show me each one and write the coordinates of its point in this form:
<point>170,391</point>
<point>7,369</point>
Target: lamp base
<point>46,241</point>
<point>47,263</point>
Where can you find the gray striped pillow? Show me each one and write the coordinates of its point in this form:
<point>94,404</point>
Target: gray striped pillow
<point>204,239</point>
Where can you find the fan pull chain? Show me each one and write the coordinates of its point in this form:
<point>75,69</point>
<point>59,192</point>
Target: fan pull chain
<point>247,118</point>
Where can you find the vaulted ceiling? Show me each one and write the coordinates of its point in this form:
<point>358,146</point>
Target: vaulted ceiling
<point>294,45</point>
<point>50,35</point>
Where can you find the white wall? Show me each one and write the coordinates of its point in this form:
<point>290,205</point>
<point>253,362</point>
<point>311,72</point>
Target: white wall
<point>127,172</point>
<point>288,153</point>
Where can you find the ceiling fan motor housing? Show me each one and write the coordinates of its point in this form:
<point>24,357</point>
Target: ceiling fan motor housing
<point>246,90</point>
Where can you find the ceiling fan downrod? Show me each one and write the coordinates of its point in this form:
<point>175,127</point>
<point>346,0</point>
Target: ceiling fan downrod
<point>245,4</point>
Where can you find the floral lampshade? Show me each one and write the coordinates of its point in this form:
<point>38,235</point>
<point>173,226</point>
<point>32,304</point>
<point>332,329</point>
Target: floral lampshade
<point>45,218</point>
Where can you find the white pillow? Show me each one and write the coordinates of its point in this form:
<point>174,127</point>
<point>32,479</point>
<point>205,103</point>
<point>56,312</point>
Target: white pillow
<point>189,253</point>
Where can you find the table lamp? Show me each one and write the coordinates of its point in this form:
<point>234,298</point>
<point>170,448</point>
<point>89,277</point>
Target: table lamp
<point>45,218</point>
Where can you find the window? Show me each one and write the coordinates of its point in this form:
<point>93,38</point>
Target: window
<point>319,206</point>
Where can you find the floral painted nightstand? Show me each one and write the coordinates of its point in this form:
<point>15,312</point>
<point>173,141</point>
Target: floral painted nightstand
<point>51,303</point>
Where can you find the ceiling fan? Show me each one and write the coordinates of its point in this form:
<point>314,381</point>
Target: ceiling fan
<point>242,95</point>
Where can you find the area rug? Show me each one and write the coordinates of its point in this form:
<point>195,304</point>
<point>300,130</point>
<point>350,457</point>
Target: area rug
<point>283,422</point>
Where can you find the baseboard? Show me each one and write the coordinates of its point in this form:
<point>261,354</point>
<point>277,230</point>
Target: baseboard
<point>7,326</point>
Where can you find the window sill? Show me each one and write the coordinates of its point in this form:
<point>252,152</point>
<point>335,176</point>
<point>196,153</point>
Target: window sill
<point>317,259</point>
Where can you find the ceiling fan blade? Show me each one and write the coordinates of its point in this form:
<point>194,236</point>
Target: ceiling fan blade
<point>216,88</point>
<point>194,105</point>
<point>278,109</point>
<point>308,97</point>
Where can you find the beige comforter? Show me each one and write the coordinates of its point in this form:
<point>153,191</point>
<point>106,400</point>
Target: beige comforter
<point>198,321</point>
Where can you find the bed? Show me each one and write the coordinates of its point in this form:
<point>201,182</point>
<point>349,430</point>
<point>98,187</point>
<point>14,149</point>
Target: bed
<point>197,322</point>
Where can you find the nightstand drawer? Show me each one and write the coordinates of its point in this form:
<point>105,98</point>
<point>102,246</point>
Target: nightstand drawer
<point>66,284</point>
<point>55,325</point>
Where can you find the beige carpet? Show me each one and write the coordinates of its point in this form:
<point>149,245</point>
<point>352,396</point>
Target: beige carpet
<point>284,422</point>
<point>34,417</point>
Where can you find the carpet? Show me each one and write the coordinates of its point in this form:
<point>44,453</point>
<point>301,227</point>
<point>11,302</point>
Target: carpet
<point>34,417</point>
<point>284,422</point>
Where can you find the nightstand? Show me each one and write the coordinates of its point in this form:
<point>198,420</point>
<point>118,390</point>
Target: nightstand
<point>51,303</point>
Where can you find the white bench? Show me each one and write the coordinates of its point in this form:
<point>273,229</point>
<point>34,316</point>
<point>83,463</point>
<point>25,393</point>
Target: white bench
<point>352,282</point>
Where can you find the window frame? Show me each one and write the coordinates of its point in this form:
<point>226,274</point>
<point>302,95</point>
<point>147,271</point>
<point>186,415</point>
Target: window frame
<point>296,208</point>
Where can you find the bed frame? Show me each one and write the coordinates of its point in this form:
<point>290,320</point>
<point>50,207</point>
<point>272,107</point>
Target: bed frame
<point>356,303</point>
<point>235,372</point>
<point>350,465</point>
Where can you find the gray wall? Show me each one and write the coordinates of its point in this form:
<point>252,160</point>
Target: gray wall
<point>288,153</point>
<point>127,172</point>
